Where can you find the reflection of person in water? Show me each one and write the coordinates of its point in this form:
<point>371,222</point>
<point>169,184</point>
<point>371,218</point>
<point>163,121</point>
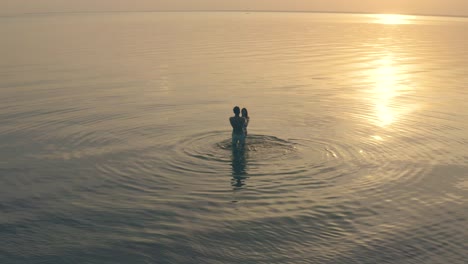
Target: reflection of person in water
<point>239,163</point>
<point>237,123</point>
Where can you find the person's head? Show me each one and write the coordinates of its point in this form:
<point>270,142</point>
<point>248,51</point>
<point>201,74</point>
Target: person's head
<point>236,110</point>
<point>244,112</point>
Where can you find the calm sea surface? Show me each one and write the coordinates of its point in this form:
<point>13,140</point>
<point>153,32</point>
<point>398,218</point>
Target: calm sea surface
<point>114,138</point>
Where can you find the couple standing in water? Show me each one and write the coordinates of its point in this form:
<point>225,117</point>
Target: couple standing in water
<point>239,126</point>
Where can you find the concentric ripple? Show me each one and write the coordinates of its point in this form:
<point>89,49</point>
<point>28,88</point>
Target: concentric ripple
<point>267,155</point>
<point>211,152</point>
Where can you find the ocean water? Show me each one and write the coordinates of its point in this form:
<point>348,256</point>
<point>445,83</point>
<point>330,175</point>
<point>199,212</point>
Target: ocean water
<point>114,138</point>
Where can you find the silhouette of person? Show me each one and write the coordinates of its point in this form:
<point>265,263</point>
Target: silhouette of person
<point>245,115</point>
<point>237,123</point>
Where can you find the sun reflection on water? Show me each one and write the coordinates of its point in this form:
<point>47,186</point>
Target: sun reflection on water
<point>386,81</point>
<point>390,85</point>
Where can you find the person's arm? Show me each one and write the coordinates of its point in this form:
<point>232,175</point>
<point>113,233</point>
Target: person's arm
<point>231,121</point>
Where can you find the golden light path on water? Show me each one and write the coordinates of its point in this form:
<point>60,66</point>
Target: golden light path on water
<point>386,91</point>
<point>390,83</point>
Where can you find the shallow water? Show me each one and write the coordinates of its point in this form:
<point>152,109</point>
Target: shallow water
<point>114,138</point>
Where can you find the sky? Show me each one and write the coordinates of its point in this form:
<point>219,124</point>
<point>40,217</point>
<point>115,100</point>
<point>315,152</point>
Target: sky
<point>434,7</point>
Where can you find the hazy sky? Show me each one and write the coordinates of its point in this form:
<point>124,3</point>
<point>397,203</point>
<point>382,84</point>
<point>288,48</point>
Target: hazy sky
<point>443,7</point>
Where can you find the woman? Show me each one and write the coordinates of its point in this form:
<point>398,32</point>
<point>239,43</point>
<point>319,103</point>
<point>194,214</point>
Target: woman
<point>245,115</point>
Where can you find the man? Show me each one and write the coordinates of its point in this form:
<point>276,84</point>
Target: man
<point>237,123</point>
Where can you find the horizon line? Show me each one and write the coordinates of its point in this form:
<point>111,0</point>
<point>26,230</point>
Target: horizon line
<point>235,11</point>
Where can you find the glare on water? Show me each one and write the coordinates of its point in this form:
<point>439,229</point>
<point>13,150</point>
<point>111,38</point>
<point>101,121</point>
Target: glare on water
<point>393,19</point>
<point>390,83</point>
